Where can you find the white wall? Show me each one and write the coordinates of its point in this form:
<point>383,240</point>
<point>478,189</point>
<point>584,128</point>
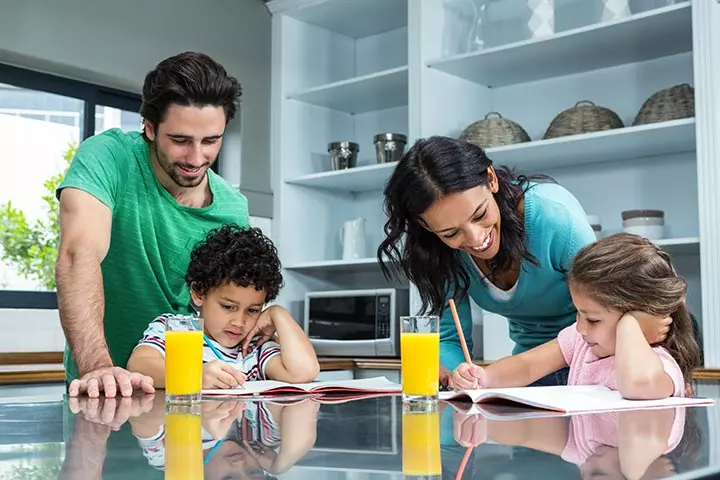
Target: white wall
<point>117,43</point>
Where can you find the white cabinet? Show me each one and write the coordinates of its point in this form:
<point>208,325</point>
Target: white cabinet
<point>340,74</point>
<point>348,69</point>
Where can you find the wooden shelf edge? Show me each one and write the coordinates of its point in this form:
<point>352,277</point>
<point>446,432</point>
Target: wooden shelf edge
<point>707,374</point>
<point>30,358</point>
<point>42,376</point>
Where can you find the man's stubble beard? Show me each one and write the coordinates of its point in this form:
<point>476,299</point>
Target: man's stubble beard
<point>167,167</point>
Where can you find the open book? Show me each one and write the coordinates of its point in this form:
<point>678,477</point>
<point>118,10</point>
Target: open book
<point>360,388</point>
<point>504,411</point>
<point>568,399</point>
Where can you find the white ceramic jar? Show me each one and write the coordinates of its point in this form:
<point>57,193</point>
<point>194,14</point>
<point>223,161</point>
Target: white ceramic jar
<point>646,223</point>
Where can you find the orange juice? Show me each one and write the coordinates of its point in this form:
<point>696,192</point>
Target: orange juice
<point>421,444</point>
<point>183,362</point>
<point>183,447</point>
<point>420,363</point>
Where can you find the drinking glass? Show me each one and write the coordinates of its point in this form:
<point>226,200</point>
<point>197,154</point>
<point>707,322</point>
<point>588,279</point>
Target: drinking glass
<point>183,359</point>
<point>420,362</point>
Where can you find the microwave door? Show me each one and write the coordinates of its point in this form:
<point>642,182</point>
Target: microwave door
<point>342,325</point>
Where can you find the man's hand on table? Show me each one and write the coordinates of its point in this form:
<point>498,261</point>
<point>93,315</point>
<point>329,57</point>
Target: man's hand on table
<point>108,381</point>
<point>111,412</point>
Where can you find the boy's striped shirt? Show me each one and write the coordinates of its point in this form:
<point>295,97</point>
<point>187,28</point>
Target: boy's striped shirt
<point>252,366</point>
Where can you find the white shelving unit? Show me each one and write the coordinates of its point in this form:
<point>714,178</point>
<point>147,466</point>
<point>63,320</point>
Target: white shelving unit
<point>336,266</point>
<point>375,91</point>
<point>680,246</point>
<point>675,136</point>
<point>642,37</point>
<point>354,180</point>
<point>348,69</point>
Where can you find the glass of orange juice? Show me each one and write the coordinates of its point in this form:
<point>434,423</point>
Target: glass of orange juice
<point>183,442</point>
<point>420,362</point>
<point>421,445</point>
<point>183,359</point>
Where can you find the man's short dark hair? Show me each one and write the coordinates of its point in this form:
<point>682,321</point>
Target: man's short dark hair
<point>188,79</point>
<point>243,256</point>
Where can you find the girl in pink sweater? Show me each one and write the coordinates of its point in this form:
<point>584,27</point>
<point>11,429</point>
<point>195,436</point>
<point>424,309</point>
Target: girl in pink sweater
<point>618,284</point>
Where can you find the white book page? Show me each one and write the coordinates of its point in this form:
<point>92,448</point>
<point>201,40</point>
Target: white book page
<point>261,386</point>
<point>370,384</point>
<point>576,398</point>
<point>250,388</point>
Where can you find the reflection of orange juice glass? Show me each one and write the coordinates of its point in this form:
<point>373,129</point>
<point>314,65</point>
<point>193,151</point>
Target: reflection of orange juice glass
<point>420,358</point>
<point>421,444</point>
<point>183,358</point>
<point>183,443</point>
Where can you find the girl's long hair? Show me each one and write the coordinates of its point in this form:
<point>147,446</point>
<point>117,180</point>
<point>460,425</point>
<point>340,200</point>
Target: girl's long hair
<point>431,169</point>
<point>627,273</point>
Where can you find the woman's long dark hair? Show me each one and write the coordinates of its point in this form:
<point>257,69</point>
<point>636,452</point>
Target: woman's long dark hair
<point>431,169</point>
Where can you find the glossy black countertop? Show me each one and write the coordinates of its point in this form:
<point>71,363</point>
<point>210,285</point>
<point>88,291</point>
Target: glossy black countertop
<point>367,439</point>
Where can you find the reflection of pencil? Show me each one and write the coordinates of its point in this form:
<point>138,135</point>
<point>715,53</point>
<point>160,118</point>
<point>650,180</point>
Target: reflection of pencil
<point>460,332</point>
<point>464,461</point>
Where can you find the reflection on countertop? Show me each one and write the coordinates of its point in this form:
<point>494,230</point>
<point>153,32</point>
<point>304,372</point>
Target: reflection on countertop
<point>363,439</point>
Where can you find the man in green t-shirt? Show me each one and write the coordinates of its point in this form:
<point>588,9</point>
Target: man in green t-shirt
<point>132,206</point>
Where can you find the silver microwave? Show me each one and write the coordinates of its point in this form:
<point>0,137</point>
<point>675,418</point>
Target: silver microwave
<point>356,323</point>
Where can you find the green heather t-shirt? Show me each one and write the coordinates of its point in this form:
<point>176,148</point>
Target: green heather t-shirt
<point>152,235</point>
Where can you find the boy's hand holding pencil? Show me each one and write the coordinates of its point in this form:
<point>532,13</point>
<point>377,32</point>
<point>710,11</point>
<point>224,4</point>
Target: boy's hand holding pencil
<point>467,376</point>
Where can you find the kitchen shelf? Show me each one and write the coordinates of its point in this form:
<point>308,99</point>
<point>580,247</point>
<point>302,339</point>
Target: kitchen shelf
<point>336,266</point>
<point>637,38</point>
<point>675,136</point>
<point>680,246</point>
<point>352,18</point>
<point>367,93</point>
<point>359,179</point>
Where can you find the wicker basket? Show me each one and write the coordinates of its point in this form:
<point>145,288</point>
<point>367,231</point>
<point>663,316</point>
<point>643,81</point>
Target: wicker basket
<point>583,119</point>
<point>669,104</point>
<point>494,132</point>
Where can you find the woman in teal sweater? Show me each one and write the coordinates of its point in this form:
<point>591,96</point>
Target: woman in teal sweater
<point>475,231</point>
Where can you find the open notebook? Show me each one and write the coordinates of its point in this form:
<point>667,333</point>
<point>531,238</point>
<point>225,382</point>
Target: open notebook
<point>361,388</point>
<point>567,399</point>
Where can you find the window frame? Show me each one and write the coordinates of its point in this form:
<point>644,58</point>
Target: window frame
<point>92,96</point>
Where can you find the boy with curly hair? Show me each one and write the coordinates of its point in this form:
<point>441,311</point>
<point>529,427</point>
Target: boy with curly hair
<point>232,274</point>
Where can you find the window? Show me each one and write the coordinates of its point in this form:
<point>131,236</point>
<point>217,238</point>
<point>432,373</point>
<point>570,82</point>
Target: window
<point>42,119</point>
<point>109,117</point>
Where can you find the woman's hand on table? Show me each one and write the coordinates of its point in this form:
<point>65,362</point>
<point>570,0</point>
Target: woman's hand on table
<point>468,376</point>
